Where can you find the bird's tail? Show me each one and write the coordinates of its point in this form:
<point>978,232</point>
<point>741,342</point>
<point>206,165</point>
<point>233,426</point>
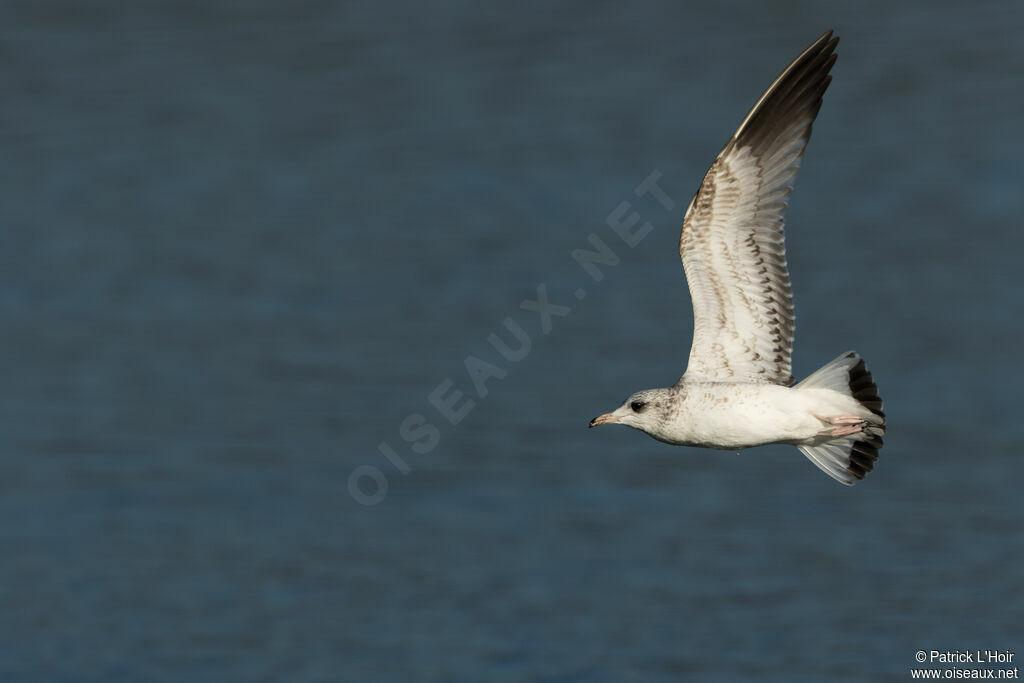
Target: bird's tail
<point>850,457</point>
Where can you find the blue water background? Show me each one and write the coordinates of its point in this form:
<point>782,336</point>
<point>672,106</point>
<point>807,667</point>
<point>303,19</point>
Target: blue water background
<point>244,241</point>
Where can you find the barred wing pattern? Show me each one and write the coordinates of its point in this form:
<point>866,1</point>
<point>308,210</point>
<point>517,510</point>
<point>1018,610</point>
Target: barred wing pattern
<point>732,243</point>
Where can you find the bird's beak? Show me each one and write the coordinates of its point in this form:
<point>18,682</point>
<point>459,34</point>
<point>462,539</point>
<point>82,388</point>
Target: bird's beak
<point>607,418</point>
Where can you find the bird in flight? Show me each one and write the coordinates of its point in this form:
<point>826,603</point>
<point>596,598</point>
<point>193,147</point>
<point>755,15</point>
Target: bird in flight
<point>738,391</point>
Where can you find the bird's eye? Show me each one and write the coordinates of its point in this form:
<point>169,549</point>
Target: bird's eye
<point>637,406</point>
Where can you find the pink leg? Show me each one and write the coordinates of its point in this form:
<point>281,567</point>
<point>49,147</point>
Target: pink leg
<point>843,431</point>
<point>841,420</point>
<point>841,425</point>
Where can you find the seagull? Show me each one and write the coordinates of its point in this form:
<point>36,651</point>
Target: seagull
<point>737,391</point>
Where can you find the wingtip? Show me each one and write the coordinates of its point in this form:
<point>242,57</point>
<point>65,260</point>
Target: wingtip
<point>827,36</point>
<point>801,83</point>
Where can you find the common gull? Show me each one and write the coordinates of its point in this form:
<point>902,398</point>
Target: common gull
<point>737,391</point>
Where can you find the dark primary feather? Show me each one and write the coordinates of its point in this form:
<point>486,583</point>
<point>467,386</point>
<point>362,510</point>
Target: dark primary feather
<point>793,100</point>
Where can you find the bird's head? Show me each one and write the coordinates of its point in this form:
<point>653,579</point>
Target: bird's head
<point>647,410</point>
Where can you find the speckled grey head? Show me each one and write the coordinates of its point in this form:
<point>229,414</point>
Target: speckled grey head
<point>647,410</point>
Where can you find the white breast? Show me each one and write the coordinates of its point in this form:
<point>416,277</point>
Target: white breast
<point>728,415</point>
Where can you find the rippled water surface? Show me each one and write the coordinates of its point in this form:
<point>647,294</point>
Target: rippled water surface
<point>245,242</point>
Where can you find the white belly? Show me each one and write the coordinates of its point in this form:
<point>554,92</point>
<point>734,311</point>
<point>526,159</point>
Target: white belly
<point>733,416</point>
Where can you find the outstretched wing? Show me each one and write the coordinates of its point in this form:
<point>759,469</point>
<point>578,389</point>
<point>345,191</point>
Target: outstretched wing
<point>732,243</point>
